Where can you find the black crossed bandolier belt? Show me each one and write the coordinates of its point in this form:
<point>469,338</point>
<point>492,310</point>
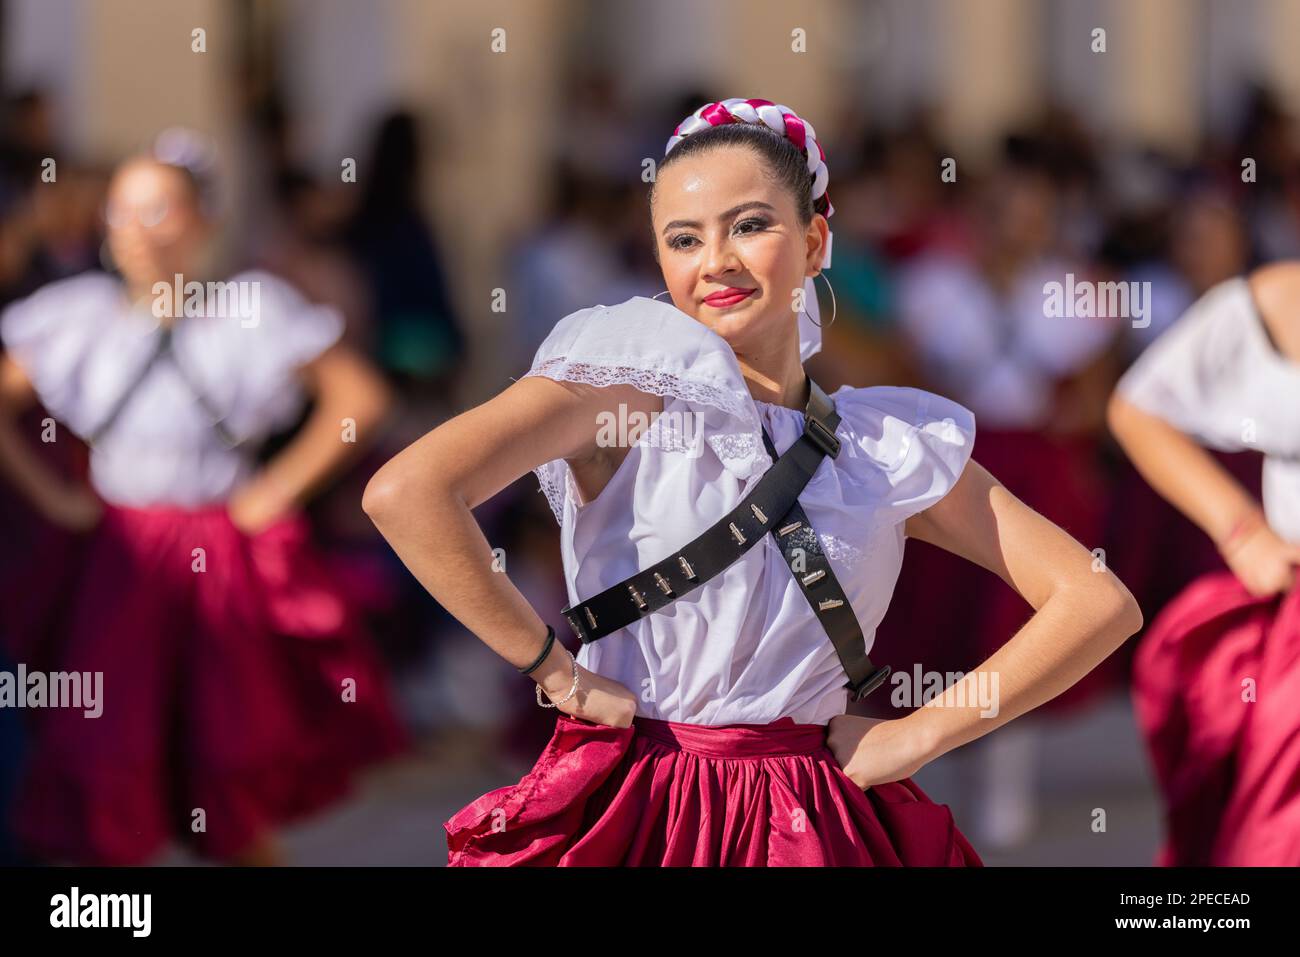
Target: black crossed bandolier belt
<point>772,506</point>
<point>164,349</point>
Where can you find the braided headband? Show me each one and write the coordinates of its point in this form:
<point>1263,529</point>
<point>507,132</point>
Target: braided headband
<point>774,116</point>
<point>798,131</point>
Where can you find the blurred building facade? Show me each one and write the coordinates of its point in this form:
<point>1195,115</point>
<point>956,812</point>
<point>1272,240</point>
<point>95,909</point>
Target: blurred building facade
<point>1169,74</point>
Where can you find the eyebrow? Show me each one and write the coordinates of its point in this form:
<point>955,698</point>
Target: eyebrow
<point>735,210</point>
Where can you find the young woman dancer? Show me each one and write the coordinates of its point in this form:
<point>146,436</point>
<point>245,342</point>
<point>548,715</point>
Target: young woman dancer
<point>713,731</point>
<point>237,689</point>
<point>1217,674</point>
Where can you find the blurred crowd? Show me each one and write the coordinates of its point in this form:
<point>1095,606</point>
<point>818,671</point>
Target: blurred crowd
<point>938,282</point>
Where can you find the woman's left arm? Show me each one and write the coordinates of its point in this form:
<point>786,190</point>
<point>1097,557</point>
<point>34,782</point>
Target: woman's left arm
<point>1082,614</point>
<point>352,400</point>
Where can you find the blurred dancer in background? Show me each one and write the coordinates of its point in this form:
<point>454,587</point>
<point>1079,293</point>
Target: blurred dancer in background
<point>238,689</point>
<point>1216,677</point>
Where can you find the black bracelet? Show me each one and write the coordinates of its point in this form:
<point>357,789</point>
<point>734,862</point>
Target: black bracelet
<point>546,650</point>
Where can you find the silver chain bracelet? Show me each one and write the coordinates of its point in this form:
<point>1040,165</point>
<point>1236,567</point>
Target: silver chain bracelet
<point>572,691</point>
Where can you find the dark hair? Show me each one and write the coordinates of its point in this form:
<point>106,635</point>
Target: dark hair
<point>784,162</point>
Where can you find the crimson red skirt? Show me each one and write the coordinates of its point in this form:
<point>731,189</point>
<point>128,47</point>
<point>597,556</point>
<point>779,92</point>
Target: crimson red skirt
<point>664,793</point>
<point>239,691</point>
<point>1216,682</point>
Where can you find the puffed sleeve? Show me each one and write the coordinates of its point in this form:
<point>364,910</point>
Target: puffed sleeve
<point>659,350</point>
<point>286,329</point>
<point>1199,375</point>
<point>274,331</point>
<point>50,334</point>
<point>908,444</point>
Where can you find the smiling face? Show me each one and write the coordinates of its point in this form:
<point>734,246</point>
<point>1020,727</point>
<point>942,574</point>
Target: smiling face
<point>721,223</point>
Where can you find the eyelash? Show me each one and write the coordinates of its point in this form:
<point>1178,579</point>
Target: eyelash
<point>757,221</point>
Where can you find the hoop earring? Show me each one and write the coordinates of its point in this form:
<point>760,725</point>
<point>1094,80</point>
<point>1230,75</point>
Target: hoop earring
<point>106,261</point>
<point>657,295</point>
<point>834,306</point>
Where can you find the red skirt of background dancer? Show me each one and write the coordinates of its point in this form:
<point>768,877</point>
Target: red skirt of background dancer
<point>1228,767</point>
<point>663,793</point>
<point>949,615</point>
<point>223,690</point>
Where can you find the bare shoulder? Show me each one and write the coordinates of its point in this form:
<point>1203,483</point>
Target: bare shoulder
<point>1276,291</point>
<point>961,506</point>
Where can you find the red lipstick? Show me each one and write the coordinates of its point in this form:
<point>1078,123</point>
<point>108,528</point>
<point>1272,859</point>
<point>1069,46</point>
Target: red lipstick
<point>728,297</point>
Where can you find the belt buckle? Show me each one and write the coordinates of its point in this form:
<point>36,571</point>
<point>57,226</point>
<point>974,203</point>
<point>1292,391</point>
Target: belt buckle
<point>869,684</point>
<point>825,439</point>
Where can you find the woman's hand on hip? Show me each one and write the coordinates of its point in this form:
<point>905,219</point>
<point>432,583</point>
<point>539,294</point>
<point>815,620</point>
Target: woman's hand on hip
<point>874,750</point>
<point>258,504</point>
<point>73,507</point>
<point>598,699</point>
<point>1264,563</point>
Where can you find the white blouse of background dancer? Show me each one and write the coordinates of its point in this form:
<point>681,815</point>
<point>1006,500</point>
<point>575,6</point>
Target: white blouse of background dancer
<point>1001,357</point>
<point>1216,376</point>
<point>81,344</point>
<point>746,646</point>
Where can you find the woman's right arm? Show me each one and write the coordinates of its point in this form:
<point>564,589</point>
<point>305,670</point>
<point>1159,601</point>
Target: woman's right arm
<point>1189,477</point>
<point>70,505</point>
<point>421,502</point>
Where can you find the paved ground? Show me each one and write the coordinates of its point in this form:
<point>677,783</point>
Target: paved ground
<point>1085,768</point>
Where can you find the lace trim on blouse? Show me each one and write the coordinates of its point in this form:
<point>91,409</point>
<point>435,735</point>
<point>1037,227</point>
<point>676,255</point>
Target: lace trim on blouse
<point>740,450</point>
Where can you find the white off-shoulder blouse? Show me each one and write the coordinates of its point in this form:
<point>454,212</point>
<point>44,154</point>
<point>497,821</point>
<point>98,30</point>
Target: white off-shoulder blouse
<point>81,344</point>
<point>1217,376</point>
<point>745,647</point>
